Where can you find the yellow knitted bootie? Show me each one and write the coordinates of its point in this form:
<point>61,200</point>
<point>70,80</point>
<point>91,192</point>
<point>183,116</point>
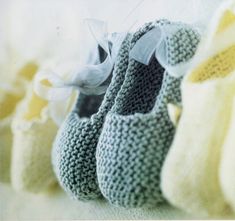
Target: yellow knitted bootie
<point>227,177</point>
<point>34,132</point>
<point>190,176</point>
<point>10,95</point>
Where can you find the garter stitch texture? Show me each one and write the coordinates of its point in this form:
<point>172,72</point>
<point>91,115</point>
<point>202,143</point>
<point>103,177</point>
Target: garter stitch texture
<point>137,132</point>
<point>75,144</point>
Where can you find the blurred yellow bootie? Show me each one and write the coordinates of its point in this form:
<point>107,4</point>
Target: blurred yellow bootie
<point>34,132</point>
<point>10,95</point>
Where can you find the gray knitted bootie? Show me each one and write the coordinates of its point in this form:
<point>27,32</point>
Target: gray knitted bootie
<point>74,149</point>
<point>138,132</point>
<point>75,145</point>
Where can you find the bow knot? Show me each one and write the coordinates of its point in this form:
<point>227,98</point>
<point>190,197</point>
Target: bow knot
<point>91,78</point>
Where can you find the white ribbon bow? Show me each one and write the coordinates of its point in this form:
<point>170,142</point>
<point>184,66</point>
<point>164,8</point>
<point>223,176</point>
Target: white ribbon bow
<point>88,79</point>
<point>153,43</point>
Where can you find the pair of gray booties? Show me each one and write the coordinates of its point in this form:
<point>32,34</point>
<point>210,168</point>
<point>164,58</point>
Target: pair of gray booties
<point>115,144</point>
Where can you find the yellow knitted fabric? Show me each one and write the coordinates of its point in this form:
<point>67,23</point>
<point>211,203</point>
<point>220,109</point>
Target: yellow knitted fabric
<point>227,176</point>
<point>9,98</point>
<point>34,132</point>
<point>190,176</point>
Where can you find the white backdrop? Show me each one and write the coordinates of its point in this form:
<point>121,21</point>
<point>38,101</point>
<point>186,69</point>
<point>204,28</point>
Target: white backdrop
<point>49,30</point>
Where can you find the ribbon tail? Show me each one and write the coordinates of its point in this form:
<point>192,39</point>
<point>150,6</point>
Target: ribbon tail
<point>91,78</point>
<point>99,30</point>
<point>146,46</point>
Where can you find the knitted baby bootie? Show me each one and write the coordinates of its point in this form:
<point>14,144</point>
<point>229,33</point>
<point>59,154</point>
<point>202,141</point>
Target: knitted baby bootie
<point>227,178</point>
<point>138,132</point>
<point>10,95</point>
<point>190,176</point>
<point>75,145</point>
<point>33,134</point>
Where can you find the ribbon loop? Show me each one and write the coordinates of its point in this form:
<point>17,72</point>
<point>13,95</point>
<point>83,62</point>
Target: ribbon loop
<point>91,78</point>
<point>156,43</point>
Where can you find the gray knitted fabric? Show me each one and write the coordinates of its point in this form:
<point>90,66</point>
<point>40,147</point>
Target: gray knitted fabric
<point>74,149</point>
<point>137,132</point>
<point>75,145</point>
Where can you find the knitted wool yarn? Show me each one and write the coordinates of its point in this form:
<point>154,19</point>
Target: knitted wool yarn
<point>9,99</point>
<point>227,178</point>
<point>34,132</point>
<point>190,176</point>
<point>75,144</point>
<point>138,132</point>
